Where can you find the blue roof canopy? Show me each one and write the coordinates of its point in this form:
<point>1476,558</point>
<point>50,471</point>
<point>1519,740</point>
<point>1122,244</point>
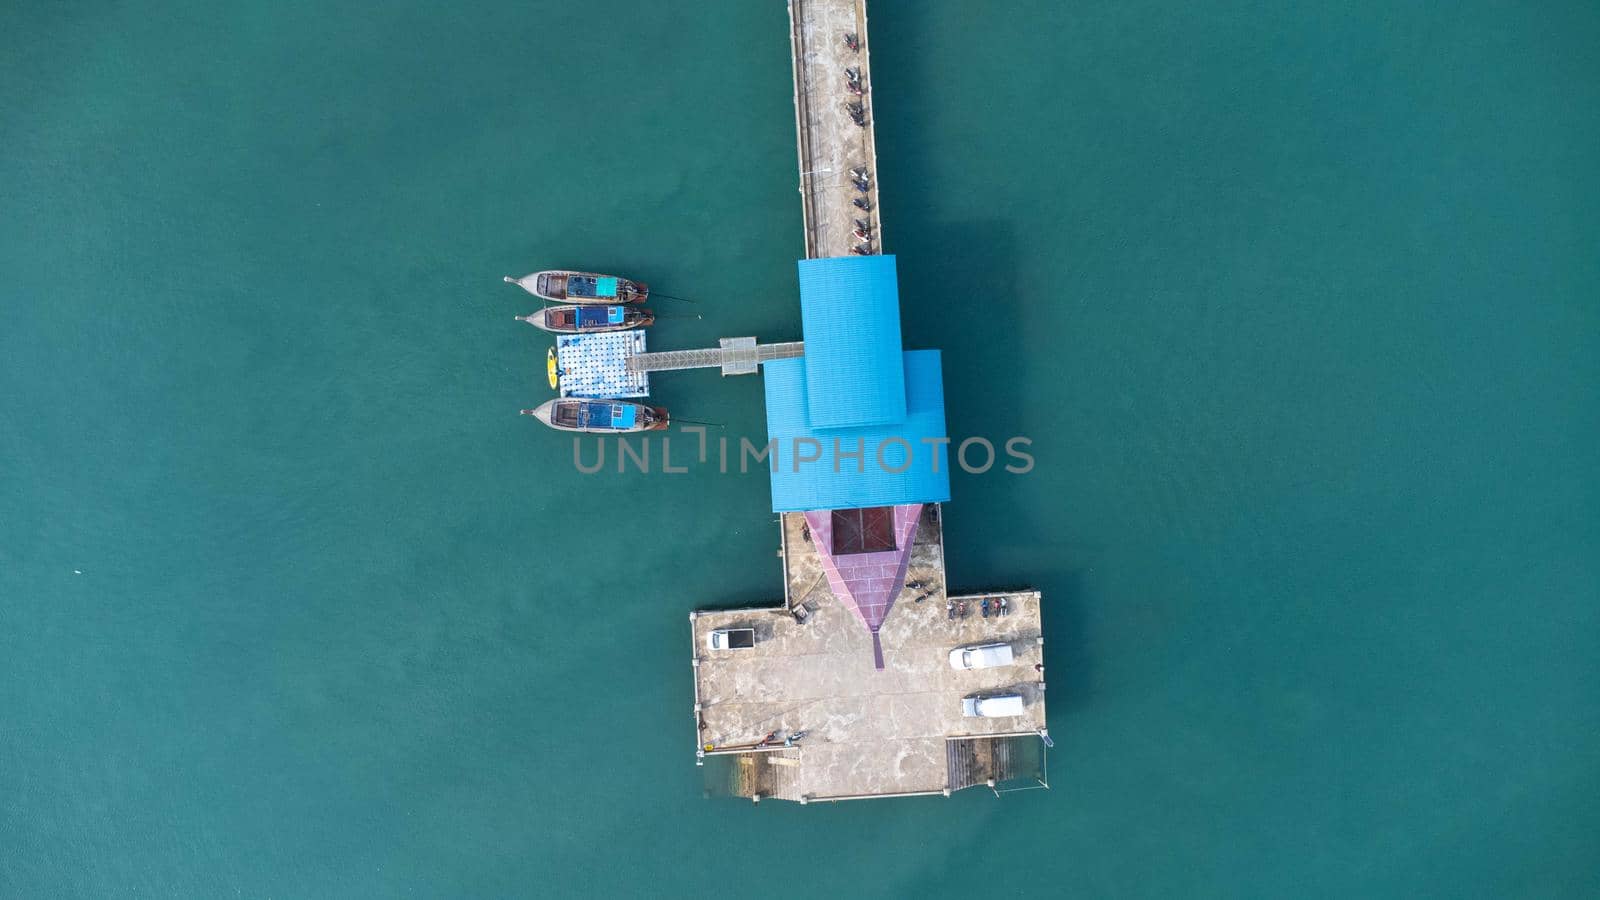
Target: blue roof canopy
<point>850,311</point>
<point>836,480</point>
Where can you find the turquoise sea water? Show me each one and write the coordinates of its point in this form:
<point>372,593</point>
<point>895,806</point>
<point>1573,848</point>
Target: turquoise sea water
<point>1298,303</point>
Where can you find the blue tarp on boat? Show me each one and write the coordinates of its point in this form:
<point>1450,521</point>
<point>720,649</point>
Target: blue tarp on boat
<point>620,416</point>
<point>595,316</point>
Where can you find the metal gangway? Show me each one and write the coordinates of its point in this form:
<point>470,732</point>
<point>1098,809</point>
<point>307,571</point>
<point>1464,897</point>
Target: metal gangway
<point>735,356</point>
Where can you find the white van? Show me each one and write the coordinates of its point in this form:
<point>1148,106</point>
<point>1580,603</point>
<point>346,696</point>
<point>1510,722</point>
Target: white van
<point>997,706</point>
<point>983,656</point>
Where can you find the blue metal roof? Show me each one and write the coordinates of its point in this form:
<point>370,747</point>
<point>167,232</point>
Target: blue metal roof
<point>816,485</point>
<point>850,310</point>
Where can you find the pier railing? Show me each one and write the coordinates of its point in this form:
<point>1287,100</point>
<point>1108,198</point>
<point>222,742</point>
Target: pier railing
<point>736,356</point>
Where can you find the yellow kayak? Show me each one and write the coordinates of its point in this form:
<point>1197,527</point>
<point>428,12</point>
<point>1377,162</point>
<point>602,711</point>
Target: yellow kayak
<point>550,366</point>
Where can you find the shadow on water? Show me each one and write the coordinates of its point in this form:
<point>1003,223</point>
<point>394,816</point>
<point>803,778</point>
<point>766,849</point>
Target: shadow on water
<point>960,293</point>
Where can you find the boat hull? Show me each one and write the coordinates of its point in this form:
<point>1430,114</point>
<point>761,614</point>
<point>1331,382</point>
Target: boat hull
<point>570,286</point>
<point>600,416</point>
<point>574,319</point>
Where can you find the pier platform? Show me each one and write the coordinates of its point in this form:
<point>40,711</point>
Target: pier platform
<point>868,733</point>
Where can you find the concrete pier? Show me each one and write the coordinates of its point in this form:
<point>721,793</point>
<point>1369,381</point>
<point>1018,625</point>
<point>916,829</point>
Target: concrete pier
<point>868,733</point>
<point>804,711</point>
<point>830,143</point>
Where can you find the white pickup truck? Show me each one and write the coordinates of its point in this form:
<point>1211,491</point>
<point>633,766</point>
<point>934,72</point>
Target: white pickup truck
<point>731,639</point>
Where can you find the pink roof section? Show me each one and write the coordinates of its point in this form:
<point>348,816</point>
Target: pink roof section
<point>868,582</point>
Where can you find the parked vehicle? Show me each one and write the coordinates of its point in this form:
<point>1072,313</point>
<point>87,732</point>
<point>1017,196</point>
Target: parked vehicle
<point>994,706</point>
<point>983,656</point>
<point>731,639</point>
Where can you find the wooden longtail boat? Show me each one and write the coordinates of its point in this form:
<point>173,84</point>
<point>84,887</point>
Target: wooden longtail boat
<point>589,319</point>
<point>564,286</point>
<point>600,416</point>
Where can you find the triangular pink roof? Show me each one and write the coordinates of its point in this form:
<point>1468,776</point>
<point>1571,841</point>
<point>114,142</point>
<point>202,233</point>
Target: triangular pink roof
<point>867,582</point>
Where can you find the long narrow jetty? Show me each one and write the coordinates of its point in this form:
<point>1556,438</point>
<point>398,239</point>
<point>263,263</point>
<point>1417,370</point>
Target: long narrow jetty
<point>785,704</point>
<point>830,142</point>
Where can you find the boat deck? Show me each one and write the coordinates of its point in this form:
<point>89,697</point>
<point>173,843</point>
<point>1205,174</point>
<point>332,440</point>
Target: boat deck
<point>868,732</point>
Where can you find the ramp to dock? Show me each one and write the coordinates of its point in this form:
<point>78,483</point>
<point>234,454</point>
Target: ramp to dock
<point>735,356</point>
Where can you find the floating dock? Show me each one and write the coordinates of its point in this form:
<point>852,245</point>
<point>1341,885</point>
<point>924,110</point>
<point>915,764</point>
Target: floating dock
<point>597,366</point>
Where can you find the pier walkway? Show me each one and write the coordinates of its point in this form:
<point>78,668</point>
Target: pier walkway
<point>830,141</point>
<point>735,356</point>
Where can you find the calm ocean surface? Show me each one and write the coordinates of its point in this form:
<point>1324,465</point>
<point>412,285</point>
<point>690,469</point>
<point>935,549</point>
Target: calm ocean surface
<point>1298,303</point>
